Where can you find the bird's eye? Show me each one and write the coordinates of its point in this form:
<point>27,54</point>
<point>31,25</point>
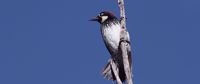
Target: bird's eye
<point>102,14</point>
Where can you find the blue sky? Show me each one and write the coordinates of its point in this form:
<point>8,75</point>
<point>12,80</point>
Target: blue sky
<point>52,41</point>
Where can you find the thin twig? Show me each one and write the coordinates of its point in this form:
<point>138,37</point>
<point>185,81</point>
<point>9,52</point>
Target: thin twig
<point>115,71</point>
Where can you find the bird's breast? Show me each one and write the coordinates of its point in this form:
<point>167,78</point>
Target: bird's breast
<point>111,35</point>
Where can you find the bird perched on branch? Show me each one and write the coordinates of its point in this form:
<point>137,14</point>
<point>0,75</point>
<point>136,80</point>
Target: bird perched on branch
<point>111,31</point>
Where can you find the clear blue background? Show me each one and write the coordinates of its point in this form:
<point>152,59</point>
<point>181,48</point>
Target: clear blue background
<point>52,41</point>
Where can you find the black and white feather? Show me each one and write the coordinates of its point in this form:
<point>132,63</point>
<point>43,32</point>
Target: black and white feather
<point>111,30</point>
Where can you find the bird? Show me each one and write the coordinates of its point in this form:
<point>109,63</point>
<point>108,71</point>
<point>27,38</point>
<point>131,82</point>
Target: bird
<point>110,28</point>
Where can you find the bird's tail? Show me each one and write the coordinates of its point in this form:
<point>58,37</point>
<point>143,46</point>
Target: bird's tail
<point>108,73</point>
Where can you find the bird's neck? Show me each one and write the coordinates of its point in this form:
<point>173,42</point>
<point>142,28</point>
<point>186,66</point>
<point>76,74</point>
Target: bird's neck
<point>110,22</point>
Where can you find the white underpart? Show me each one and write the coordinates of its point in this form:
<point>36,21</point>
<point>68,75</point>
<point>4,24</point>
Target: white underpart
<point>111,35</point>
<point>103,18</point>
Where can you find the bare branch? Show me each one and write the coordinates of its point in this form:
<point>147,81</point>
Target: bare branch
<point>115,71</point>
<point>125,46</point>
<point>127,67</point>
<point>122,13</point>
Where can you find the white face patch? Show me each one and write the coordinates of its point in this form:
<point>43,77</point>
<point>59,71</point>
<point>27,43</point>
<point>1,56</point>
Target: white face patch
<point>103,18</point>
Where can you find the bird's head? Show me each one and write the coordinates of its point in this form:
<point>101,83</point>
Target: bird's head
<point>103,17</point>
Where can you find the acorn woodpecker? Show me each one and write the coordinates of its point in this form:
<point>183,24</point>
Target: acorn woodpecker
<point>110,31</point>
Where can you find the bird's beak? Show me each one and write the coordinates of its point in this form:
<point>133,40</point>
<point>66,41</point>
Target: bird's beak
<point>94,19</point>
